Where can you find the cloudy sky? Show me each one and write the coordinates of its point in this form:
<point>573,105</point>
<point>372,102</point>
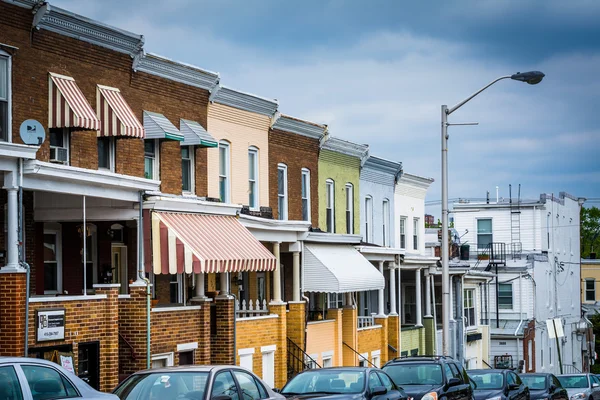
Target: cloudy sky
<point>378,71</point>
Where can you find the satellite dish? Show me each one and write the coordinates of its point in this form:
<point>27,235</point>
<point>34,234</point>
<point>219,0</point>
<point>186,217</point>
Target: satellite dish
<point>32,132</point>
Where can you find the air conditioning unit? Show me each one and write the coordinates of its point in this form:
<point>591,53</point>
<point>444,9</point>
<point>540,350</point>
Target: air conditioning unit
<point>58,154</point>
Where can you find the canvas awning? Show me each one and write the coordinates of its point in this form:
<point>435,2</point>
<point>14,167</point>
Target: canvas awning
<point>67,106</point>
<point>159,127</point>
<point>195,134</point>
<point>117,118</point>
<point>185,242</point>
<point>338,268</point>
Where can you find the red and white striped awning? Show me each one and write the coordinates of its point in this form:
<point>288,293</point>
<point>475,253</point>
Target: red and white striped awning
<point>204,243</point>
<point>117,118</point>
<point>67,106</point>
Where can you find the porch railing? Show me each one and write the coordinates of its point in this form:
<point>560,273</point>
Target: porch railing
<point>365,322</point>
<point>298,360</point>
<point>251,308</point>
<point>570,369</point>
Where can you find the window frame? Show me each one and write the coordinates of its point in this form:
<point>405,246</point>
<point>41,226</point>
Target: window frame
<point>490,234</point>
<point>349,189</point>
<point>470,323</point>
<point>282,198</point>
<point>253,196</point>
<point>155,159</point>
<point>416,233</point>
<point>170,357</point>
<point>593,290</point>
<point>192,160</point>
<point>512,296</point>
<point>64,379</point>
<point>330,205</point>
<point>368,218</point>
<point>305,176</point>
<point>66,139</point>
<point>225,197</point>
<point>111,145</point>
<point>235,382</point>
<point>402,229</point>
<point>57,231</point>
<point>386,222</point>
<point>8,100</point>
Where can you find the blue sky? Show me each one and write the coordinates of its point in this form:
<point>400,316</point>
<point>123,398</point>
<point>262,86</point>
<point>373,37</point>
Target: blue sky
<point>377,72</point>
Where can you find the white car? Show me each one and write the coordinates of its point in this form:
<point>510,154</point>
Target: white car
<point>34,379</point>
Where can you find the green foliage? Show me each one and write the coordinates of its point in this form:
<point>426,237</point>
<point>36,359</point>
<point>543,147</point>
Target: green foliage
<point>590,231</point>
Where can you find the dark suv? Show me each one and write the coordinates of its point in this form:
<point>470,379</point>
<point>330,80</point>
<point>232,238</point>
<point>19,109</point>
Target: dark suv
<point>430,377</point>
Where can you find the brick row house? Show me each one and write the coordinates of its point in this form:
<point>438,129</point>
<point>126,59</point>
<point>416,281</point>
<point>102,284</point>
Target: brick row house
<point>161,218</point>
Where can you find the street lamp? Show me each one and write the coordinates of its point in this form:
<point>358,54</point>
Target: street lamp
<point>532,78</point>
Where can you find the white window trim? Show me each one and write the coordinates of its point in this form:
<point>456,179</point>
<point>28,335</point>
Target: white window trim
<point>351,210</point>
<point>402,219</point>
<point>254,150</point>
<point>192,158</point>
<point>416,226</point>
<point>386,222</point>
<point>170,357</point>
<point>243,352</point>
<point>111,154</point>
<point>477,230</point>
<point>376,355</point>
<point>66,143</point>
<point>306,172</point>
<point>283,214</point>
<point>586,290</point>
<point>9,95</point>
<point>330,191</point>
<point>224,144</point>
<point>268,349</point>
<point>187,346</point>
<point>56,229</point>
<point>326,356</point>
<point>512,296</point>
<point>474,306</point>
<point>363,357</point>
<point>156,159</point>
<point>369,219</point>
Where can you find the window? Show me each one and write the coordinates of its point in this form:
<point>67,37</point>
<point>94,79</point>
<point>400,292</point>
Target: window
<point>374,380</point>
<point>484,233</point>
<point>224,172</point>
<point>376,358</point>
<point>59,145</point>
<point>330,205</point>
<point>253,177</point>
<point>590,290</point>
<point>247,385</point>
<point>416,233</point>
<point>335,300</point>
<point>455,372</point>
<point>186,357</point>
<point>10,388</point>
<point>106,153</point>
<point>470,307</point>
<point>224,385</point>
<point>402,232</point>
<point>305,194</point>
<point>5,96</point>
<point>46,383</point>
<point>52,262</point>
<point>505,296</point>
<point>327,362</point>
<point>386,222</point>
<point>162,360</point>
<point>151,153</point>
<point>349,208</point>
<point>268,365</point>
<point>282,191</point>
<point>387,382</point>
<point>187,169</point>
<point>246,358</point>
<point>368,219</point>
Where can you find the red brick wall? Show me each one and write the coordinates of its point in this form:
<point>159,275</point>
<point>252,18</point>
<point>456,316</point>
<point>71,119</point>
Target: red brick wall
<point>297,152</point>
<point>12,314</point>
<point>222,339</point>
<point>132,331</point>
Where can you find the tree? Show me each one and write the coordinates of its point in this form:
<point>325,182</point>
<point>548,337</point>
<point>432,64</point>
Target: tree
<point>590,231</point>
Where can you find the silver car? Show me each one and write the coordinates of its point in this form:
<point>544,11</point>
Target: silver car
<point>31,378</point>
<point>581,386</point>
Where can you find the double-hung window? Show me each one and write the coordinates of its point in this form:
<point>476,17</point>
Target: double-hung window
<point>590,290</point>
<point>402,232</point>
<point>330,205</point>
<point>4,96</point>
<point>59,145</point>
<point>151,170</point>
<point>416,233</point>
<point>386,222</point>
<point>305,194</point>
<point>224,171</point>
<point>349,208</point>
<point>106,153</point>
<point>52,261</point>
<point>469,307</point>
<point>187,169</point>
<point>282,191</point>
<point>368,219</point>
<point>505,296</point>
<point>484,233</point>
<point>253,177</point>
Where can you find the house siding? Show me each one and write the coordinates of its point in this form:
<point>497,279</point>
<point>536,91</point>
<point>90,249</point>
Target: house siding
<point>380,186</point>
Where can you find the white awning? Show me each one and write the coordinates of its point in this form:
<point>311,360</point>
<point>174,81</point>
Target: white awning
<point>335,268</point>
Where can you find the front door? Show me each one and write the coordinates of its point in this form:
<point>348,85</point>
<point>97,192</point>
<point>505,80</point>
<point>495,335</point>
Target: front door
<point>88,366</point>
<point>119,266</point>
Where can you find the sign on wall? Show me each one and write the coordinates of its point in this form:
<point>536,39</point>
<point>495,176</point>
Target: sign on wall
<point>50,325</point>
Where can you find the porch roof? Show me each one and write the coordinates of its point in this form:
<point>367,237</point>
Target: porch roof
<point>338,268</point>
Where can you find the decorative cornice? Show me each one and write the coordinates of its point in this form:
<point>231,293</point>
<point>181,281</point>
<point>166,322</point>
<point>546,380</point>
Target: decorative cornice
<point>293,125</point>
<point>324,237</point>
<point>415,180</point>
<point>15,150</point>
<point>382,165</point>
<point>23,3</point>
<point>345,147</point>
<point>176,71</point>
<point>245,101</point>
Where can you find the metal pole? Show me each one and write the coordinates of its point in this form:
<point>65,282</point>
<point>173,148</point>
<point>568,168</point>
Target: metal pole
<point>445,268</point>
<point>84,251</point>
<point>557,346</point>
<point>497,297</point>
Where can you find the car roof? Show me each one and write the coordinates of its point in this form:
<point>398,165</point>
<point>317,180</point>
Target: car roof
<point>189,368</point>
<point>485,371</point>
<point>536,374</point>
<point>340,369</point>
<point>30,360</point>
<point>422,359</point>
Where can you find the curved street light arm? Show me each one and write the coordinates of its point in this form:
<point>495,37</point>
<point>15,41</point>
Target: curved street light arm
<point>459,105</point>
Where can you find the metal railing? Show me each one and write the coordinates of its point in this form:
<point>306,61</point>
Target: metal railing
<point>365,322</point>
<point>297,359</point>
<point>570,369</point>
<point>494,253</point>
<point>251,309</point>
<point>360,355</point>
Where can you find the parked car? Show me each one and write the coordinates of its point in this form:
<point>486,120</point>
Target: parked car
<point>544,386</point>
<point>430,377</point>
<point>498,384</point>
<point>343,383</point>
<point>195,382</point>
<point>581,386</point>
<point>31,378</point>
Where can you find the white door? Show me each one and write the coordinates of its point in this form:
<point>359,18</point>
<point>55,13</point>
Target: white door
<point>268,374</point>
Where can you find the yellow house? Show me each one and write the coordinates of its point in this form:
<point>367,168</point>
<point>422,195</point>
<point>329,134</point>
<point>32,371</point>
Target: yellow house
<point>590,276</point>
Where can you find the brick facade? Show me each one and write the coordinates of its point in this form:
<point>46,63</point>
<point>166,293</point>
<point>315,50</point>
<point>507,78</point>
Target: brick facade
<point>221,340</point>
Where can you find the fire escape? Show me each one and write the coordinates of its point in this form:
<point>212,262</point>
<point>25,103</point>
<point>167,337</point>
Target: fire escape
<point>516,247</point>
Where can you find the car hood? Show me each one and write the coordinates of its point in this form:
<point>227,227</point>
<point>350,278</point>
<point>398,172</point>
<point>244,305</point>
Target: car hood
<point>574,391</point>
<point>353,396</point>
<point>487,394</point>
<point>418,391</point>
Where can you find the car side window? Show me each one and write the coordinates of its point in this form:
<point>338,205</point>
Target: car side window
<point>224,385</point>
<point>556,382</point>
<point>247,385</point>
<point>517,379</point>
<point>374,381</point>
<point>261,389</point>
<point>448,372</point>
<point>387,382</point>
<point>46,383</point>
<point>510,379</point>
<point>455,372</point>
<point>9,384</point>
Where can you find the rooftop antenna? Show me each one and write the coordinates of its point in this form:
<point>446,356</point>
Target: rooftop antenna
<point>487,197</point>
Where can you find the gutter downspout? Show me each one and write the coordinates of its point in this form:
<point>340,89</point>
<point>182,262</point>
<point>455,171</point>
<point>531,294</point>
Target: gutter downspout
<point>142,277</point>
<point>432,283</point>
<point>22,257</point>
<point>235,299</point>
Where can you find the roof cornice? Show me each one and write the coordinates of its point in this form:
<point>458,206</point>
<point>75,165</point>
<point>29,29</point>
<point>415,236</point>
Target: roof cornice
<point>293,125</point>
<point>175,71</point>
<point>415,180</point>
<point>245,101</point>
<point>383,165</point>
<point>345,147</point>
<point>324,237</point>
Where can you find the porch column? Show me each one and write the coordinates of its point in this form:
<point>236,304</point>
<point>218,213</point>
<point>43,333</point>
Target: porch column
<point>277,274</point>
<point>200,286</point>
<point>296,275</point>
<point>381,308</point>
<point>400,305</point>
<point>12,264</point>
<point>224,284</point>
<point>393,289</point>
<point>427,294</point>
<point>419,321</point>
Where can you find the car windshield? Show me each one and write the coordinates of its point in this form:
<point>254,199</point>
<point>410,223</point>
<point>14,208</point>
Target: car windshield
<point>487,380</point>
<point>326,381</point>
<point>164,386</point>
<point>573,381</point>
<point>407,374</point>
<point>534,382</point>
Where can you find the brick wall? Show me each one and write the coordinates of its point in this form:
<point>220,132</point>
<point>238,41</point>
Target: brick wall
<point>296,322</point>
<point>255,333</point>
<point>411,339</point>
<point>221,340</point>
<point>369,340</point>
<point>132,331</point>
<point>12,314</point>
<point>321,338</point>
<point>349,336</point>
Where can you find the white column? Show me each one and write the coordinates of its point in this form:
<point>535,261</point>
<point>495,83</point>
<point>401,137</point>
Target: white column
<point>419,321</point>
<point>451,303</point>
<point>224,284</point>
<point>381,308</point>
<point>200,286</point>
<point>277,274</point>
<point>393,289</point>
<point>427,294</point>
<point>400,305</point>
<point>12,261</point>
<point>296,275</point>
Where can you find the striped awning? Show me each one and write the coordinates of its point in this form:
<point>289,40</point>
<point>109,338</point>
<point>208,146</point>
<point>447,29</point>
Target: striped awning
<point>67,106</point>
<point>159,127</point>
<point>183,242</point>
<point>195,134</point>
<point>117,118</point>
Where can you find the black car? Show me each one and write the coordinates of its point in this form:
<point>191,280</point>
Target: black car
<point>430,377</point>
<point>544,386</point>
<point>343,383</point>
<point>498,384</point>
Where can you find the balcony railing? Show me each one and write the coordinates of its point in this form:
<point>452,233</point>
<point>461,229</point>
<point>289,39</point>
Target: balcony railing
<point>365,322</point>
<point>251,309</point>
